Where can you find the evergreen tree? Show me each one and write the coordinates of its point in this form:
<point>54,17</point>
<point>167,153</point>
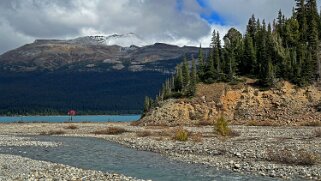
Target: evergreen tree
<point>217,54</point>
<point>281,24</point>
<point>185,73</point>
<point>287,50</point>
<point>248,61</point>
<point>179,79</point>
<point>313,39</point>
<point>233,43</point>
<point>251,28</point>
<point>201,65</point>
<point>193,79</point>
<point>302,18</point>
<point>213,40</point>
<point>269,74</point>
<point>147,104</point>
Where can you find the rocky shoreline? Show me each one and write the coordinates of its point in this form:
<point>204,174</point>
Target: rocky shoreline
<point>14,167</point>
<point>244,154</point>
<point>19,168</point>
<point>248,152</point>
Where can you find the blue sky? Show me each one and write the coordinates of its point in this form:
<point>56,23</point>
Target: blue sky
<point>210,15</point>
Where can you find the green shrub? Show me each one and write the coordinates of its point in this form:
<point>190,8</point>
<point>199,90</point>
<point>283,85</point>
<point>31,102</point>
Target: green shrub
<point>221,127</point>
<point>181,135</point>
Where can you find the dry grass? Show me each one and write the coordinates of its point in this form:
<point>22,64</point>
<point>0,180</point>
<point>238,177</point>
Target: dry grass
<point>234,133</point>
<point>71,127</point>
<point>157,127</point>
<point>299,157</point>
<point>317,133</point>
<point>144,133</point>
<point>135,123</point>
<point>110,131</point>
<point>197,137</point>
<point>312,124</point>
<point>53,132</point>
<point>166,133</point>
<point>261,123</point>
<point>181,134</point>
<point>204,123</point>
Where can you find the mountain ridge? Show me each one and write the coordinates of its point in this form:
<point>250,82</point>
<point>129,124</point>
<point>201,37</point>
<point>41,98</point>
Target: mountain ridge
<point>91,53</point>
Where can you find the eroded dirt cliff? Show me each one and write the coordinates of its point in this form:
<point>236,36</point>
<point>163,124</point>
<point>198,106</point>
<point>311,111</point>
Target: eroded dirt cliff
<point>286,104</point>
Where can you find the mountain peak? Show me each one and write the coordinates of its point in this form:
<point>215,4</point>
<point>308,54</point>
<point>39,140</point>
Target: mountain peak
<point>123,40</point>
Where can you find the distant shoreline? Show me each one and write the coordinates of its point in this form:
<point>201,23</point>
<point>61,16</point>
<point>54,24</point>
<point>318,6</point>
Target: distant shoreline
<point>67,119</point>
<point>37,115</point>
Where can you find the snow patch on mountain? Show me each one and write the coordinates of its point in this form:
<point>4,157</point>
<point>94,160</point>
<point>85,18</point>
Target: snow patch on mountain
<point>123,40</point>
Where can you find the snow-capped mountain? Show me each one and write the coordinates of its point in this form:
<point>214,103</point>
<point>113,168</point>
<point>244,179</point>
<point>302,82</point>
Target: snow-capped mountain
<point>124,40</point>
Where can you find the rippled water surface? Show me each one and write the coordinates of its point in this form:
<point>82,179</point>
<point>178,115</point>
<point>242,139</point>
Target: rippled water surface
<point>98,154</point>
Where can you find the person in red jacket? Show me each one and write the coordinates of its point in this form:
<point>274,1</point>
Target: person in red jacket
<point>71,113</point>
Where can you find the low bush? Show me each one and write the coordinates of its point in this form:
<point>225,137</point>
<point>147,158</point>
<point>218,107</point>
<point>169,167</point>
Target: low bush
<point>135,123</point>
<point>317,133</point>
<point>110,131</point>
<point>53,132</point>
<point>298,157</point>
<point>204,123</point>
<point>166,132</point>
<point>312,124</point>
<point>197,137</point>
<point>261,123</point>
<point>145,133</point>
<point>181,134</point>
<point>234,133</point>
<point>71,127</point>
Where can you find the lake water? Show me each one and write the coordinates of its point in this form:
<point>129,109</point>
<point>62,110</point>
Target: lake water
<point>99,154</point>
<point>57,119</point>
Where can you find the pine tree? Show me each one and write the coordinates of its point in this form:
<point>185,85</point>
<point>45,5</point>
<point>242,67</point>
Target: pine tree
<point>233,41</point>
<point>248,63</point>
<point>302,18</point>
<point>185,73</point>
<point>201,66</point>
<point>288,50</point>
<point>280,24</point>
<point>193,79</point>
<point>147,104</point>
<point>269,77</point>
<point>251,28</point>
<point>213,40</point>
<point>179,79</point>
<point>313,39</point>
<point>217,54</point>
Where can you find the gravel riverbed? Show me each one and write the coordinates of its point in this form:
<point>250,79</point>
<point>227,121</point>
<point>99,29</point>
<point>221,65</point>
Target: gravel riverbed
<point>20,168</point>
<point>249,152</point>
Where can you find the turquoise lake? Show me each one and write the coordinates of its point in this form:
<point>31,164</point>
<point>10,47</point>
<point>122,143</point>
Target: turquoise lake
<point>58,119</point>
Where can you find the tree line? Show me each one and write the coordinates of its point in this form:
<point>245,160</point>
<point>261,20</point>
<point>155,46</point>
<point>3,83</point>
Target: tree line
<point>287,49</point>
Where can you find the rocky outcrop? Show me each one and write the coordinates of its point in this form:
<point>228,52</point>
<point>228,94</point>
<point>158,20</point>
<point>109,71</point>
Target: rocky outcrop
<point>285,104</point>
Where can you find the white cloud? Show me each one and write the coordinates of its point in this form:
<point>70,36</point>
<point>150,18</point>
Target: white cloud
<point>156,21</point>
